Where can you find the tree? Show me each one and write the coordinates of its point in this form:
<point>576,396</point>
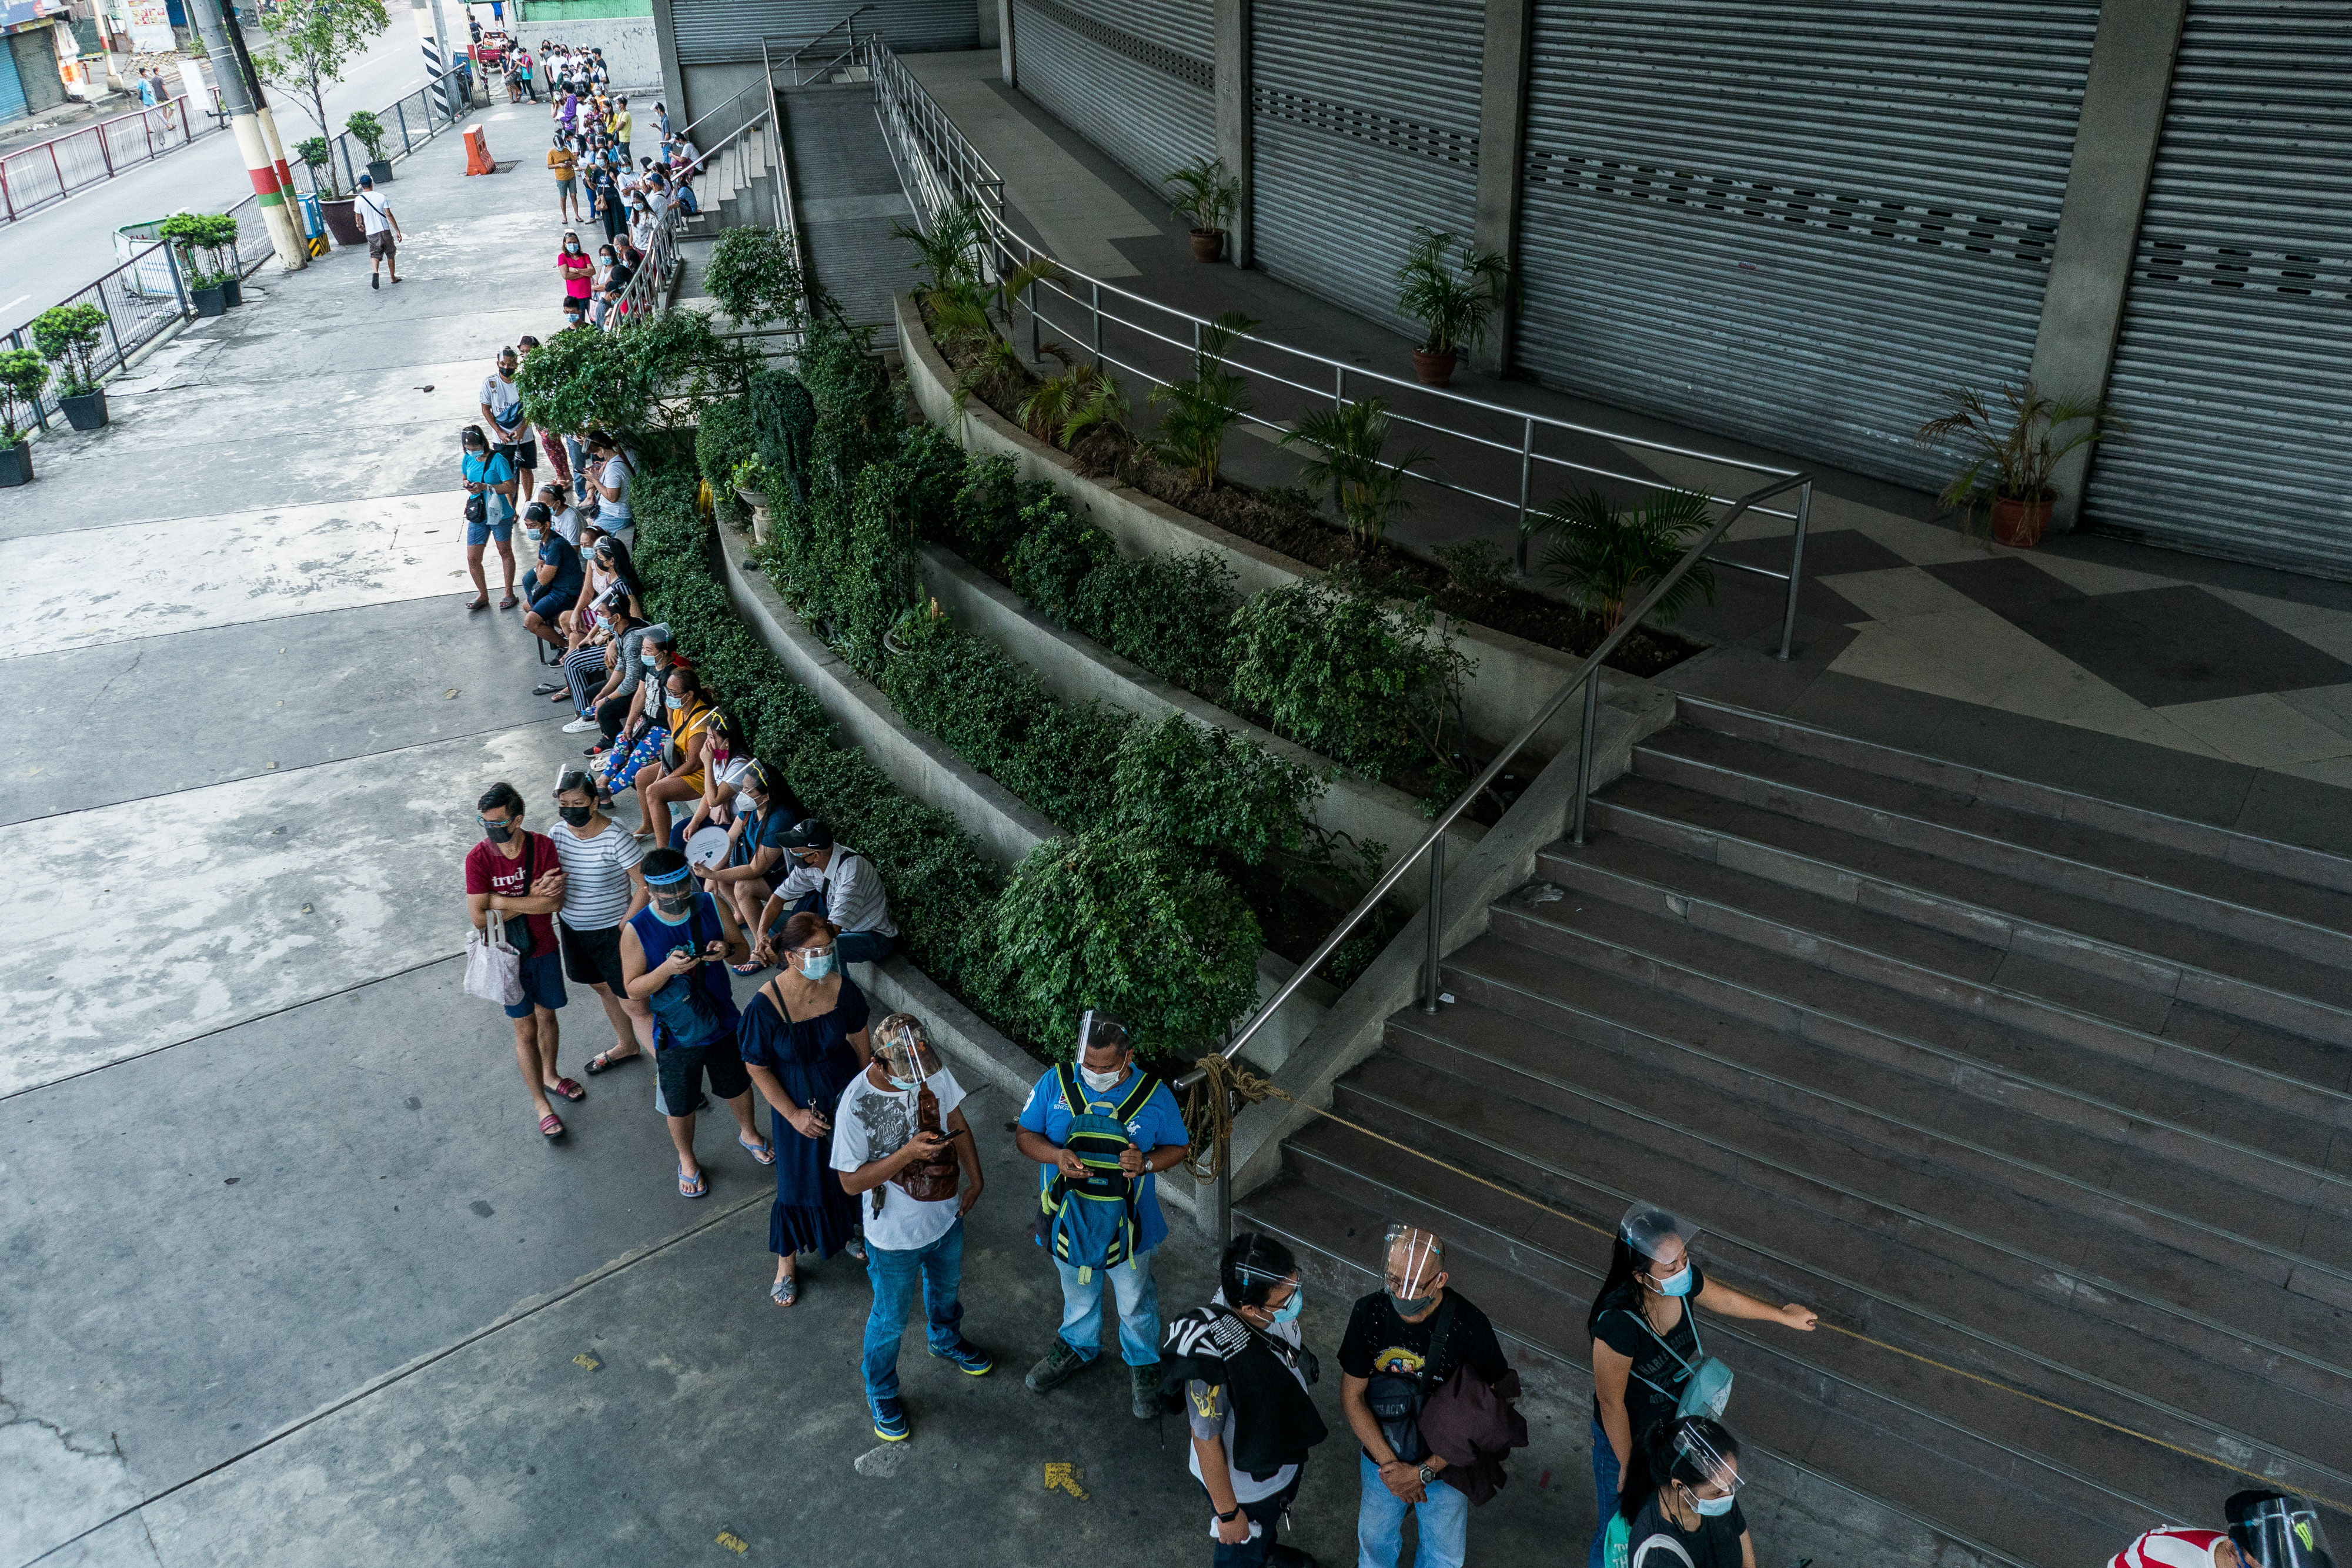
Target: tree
<point>648,373</point>
<point>311,42</point>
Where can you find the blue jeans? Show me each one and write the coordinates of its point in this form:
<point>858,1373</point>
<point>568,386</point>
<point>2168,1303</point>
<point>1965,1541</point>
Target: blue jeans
<point>1380,1523</point>
<point>1604,1489</point>
<point>894,1273</point>
<point>1138,1294</point>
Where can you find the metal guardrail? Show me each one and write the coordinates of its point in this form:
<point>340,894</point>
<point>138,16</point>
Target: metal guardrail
<point>33,177</point>
<point>848,50</point>
<point>408,123</point>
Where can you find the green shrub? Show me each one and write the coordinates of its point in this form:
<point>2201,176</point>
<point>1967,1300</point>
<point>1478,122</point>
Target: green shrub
<point>1129,924</point>
<point>1172,614</point>
<point>784,425</point>
<point>1184,784</point>
<point>67,336</point>
<point>723,439</point>
<point>752,275</point>
<point>656,371</point>
<point>1055,554</point>
<point>984,523</point>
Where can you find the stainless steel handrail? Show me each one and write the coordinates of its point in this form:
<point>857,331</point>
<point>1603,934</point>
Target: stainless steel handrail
<point>688,132</point>
<point>792,60</point>
<point>902,103</point>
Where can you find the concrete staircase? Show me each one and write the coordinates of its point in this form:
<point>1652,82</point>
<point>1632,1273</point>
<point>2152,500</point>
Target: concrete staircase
<point>739,186</point>
<point>2040,1087</point>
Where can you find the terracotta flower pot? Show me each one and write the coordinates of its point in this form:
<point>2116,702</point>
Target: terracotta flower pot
<point>1435,369</point>
<point>1208,245</point>
<point>2018,522</point>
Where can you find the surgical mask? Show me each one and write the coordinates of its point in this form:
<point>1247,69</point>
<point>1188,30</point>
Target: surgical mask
<point>670,700</point>
<point>1712,1507</point>
<point>577,816</point>
<point>1677,1284</point>
<point>1290,1308</point>
<point>817,966</point>
<point>535,536</point>
<point>651,663</point>
<point>497,833</point>
<point>1411,1306</point>
<point>1102,1083</point>
<point>574,247</point>
<point>901,1084</point>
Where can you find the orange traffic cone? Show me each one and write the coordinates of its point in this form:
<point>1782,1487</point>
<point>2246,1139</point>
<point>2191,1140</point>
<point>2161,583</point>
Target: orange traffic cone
<point>477,153</point>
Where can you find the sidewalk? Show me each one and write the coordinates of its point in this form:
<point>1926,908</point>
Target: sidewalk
<point>2200,686</point>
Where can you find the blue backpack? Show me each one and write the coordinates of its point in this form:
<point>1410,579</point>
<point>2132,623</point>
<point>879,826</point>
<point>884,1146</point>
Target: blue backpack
<point>1090,1222</point>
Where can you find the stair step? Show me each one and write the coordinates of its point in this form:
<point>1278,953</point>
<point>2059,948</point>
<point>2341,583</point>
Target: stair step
<point>2299,917</point>
<point>2207,970</point>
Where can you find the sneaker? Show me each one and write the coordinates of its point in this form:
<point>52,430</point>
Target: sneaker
<point>969,1359</point>
<point>1061,1364</point>
<point>580,727</point>
<point>889,1421</point>
<point>1143,1386</point>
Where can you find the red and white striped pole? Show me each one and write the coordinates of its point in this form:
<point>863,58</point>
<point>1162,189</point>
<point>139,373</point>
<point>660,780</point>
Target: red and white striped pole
<point>238,100</point>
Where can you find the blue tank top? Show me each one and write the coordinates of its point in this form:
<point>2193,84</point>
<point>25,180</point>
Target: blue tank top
<point>657,936</point>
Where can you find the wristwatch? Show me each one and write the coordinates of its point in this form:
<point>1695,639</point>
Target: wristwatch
<point>1427,1475</point>
<point>1229,1518</point>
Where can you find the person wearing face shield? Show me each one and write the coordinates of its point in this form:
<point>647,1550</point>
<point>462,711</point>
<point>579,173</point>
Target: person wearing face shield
<point>1403,1341</point>
<point>902,1148</point>
<point>1646,1344</point>
<point>1247,1375</point>
<point>1681,1501</point>
<point>2266,1530</point>
<point>802,1038</point>
<point>674,954</point>
<point>840,884</point>
<point>1100,1129</point>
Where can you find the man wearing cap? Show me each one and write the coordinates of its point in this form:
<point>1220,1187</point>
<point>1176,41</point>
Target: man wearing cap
<point>1100,1130</point>
<point>837,883</point>
<point>382,229</point>
<point>1403,1341</point>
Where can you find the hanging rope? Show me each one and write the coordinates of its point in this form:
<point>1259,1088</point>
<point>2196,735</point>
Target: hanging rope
<point>1210,1105</point>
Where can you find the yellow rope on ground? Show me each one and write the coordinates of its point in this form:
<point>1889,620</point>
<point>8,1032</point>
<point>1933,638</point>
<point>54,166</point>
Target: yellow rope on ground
<point>1209,1109</point>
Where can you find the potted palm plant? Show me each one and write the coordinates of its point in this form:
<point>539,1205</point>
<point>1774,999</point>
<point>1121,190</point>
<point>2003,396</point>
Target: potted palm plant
<point>67,337</point>
<point>1368,491</point>
<point>1206,197</point>
<point>1604,557</point>
<point>368,132</point>
<point>22,376</point>
<point>2012,451</point>
<point>1454,292</point>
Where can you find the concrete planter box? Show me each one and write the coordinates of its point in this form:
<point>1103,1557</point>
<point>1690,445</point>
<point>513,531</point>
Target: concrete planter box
<point>1511,677</point>
<point>919,764</point>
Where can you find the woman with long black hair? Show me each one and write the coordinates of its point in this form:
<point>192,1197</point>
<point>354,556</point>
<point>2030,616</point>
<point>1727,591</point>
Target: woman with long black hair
<point>1646,1343</point>
<point>1683,1490</point>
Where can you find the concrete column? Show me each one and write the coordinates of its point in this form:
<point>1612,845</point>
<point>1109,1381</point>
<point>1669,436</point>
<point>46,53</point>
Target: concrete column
<point>1232,20</point>
<point>1502,128</point>
<point>2098,227</point>
<point>992,23</point>
<point>673,78</point>
<point>1012,72</point>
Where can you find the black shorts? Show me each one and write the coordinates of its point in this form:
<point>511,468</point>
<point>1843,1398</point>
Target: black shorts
<point>594,957</point>
<point>681,1068</point>
<point>521,454</point>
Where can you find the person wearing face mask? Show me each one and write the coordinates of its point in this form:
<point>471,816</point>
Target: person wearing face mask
<point>555,580</point>
<point>1645,1341</point>
<point>839,883</point>
<point>516,877</point>
<point>755,858</point>
<point>1247,1375</point>
<point>572,265</point>
<point>501,405</point>
<point>674,954</point>
<point>902,1148</point>
<point>803,1038</point>
<point>489,514</point>
<point>1681,1504</point>
<point>1403,1342</point>
<point>694,729</point>
<point>1100,1129</point>
<point>604,886</point>
<point>636,746</point>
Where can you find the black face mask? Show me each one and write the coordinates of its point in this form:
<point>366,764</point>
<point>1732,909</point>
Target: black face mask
<point>498,833</point>
<point>577,816</point>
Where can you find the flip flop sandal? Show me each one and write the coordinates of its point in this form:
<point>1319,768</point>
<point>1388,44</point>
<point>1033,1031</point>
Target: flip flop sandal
<point>568,1089</point>
<point>747,968</point>
<point>763,1153</point>
<point>694,1187</point>
<point>786,1291</point>
<point>509,602</point>
<point>544,688</point>
<point>551,1125</point>
<point>482,603</point>
<point>605,1061</point>
<point>856,1247</point>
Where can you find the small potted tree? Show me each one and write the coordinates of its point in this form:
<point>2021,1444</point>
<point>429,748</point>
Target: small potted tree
<point>2012,451</point>
<point>22,376</point>
<point>220,244</point>
<point>342,222</point>
<point>1206,197</point>
<point>67,337</point>
<point>368,132</point>
<point>1454,292</point>
<point>184,232</point>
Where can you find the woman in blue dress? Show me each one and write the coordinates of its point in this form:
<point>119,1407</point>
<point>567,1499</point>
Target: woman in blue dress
<point>803,1038</point>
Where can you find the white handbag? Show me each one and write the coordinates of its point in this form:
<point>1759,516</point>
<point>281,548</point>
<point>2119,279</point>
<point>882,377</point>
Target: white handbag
<point>493,968</point>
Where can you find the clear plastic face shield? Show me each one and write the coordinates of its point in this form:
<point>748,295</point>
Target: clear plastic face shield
<point>1721,1481</point>
<point>1100,1035</point>
<point>1412,1265</point>
<point>903,1047</point>
<point>1664,1240</point>
<point>2272,1529</point>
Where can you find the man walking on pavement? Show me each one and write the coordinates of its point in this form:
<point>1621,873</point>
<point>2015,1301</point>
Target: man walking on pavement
<point>1099,1129</point>
<point>383,230</point>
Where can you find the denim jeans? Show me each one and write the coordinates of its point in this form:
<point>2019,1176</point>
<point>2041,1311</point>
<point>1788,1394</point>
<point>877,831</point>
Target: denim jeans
<point>1138,1294</point>
<point>1444,1518</point>
<point>1604,1488</point>
<point>940,1268</point>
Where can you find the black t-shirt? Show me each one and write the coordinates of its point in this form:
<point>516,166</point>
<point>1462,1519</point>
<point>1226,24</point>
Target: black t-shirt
<point>1623,1330</point>
<point>1378,1340</point>
<point>1714,1544</point>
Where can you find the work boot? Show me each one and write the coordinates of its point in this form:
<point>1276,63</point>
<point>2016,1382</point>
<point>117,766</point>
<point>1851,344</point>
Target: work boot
<point>1061,1364</point>
<point>1144,1383</point>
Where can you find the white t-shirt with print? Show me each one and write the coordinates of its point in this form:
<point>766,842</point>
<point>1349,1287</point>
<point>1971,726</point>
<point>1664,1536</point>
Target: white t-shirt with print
<point>874,1123</point>
<point>504,398</point>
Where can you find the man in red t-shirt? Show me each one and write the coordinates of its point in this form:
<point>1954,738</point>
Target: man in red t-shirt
<point>513,875</point>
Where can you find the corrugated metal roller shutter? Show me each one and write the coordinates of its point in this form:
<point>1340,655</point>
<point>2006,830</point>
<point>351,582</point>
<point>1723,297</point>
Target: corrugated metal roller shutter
<point>2230,372</point>
<point>722,32</point>
<point>1366,123</point>
<point>1796,221</point>
<point>36,67</point>
<point>12,93</point>
<point>1133,77</point>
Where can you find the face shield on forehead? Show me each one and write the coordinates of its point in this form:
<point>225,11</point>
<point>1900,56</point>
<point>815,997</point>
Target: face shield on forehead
<point>1692,1444</point>
<point>1409,1258</point>
<point>2272,1529</point>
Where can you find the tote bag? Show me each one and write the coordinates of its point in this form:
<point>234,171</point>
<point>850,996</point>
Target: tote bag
<point>493,967</point>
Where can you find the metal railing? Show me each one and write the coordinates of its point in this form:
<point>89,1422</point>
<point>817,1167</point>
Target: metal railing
<point>847,52</point>
<point>408,123</point>
<point>942,169</point>
<point>33,177</point>
<point>143,299</point>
